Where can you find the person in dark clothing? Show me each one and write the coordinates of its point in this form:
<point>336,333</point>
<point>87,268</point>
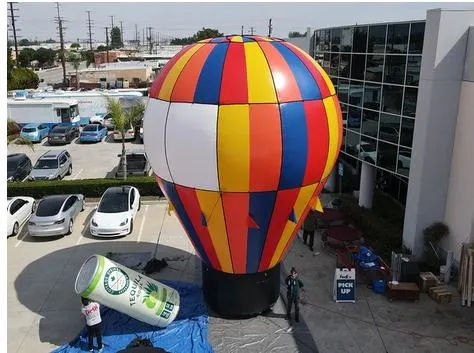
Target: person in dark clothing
<point>293,285</point>
<point>309,227</point>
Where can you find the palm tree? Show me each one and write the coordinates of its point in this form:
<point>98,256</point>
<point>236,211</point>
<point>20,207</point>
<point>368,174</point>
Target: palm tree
<point>75,60</point>
<point>13,134</point>
<point>122,119</point>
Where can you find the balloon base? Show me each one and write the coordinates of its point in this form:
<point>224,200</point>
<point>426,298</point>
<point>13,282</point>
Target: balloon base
<point>240,295</point>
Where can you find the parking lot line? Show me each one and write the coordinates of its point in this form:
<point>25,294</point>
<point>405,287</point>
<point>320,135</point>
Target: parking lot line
<point>24,236</point>
<point>75,176</point>
<point>141,225</point>
<point>79,240</point>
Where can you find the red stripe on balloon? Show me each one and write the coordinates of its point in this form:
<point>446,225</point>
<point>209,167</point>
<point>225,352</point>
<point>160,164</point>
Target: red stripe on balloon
<point>190,203</point>
<point>234,88</point>
<point>236,211</point>
<point>318,141</point>
<point>158,82</point>
<point>284,204</point>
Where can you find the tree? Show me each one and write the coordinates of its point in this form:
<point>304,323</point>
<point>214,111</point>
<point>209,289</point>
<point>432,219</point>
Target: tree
<point>296,35</point>
<point>103,48</point>
<point>22,78</point>
<point>122,119</point>
<point>50,40</point>
<point>13,134</point>
<point>75,45</point>
<point>23,42</point>
<point>75,60</point>
<point>26,56</point>
<point>10,64</point>
<point>116,38</point>
<point>202,34</point>
<point>45,56</point>
<point>88,57</point>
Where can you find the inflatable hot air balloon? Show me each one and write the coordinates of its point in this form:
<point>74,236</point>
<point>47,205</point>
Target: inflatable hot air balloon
<point>242,132</point>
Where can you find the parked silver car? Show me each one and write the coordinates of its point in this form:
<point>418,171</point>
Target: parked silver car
<point>52,165</point>
<point>55,215</point>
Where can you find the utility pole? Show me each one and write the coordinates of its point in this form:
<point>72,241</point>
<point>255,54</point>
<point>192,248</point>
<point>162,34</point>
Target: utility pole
<point>150,43</point>
<point>251,31</point>
<point>143,36</point>
<point>137,37</point>
<point>242,31</point>
<point>90,29</point>
<point>121,32</point>
<point>107,42</point>
<point>59,20</point>
<point>112,18</point>
<point>12,18</point>
<point>270,27</point>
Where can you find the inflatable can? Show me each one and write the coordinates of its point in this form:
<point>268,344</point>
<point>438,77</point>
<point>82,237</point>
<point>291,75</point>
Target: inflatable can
<point>127,291</point>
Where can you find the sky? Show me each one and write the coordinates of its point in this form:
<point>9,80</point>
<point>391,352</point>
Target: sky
<point>36,20</point>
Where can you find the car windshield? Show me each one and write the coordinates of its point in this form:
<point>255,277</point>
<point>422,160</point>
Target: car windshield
<point>49,207</point>
<point>113,202</point>
<point>90,128</point>
<point>46,164</point>
<point>11,166</point>
<point>29,129</point>
<point>59,130</point>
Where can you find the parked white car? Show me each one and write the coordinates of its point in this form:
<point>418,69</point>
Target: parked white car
<point>367,152</point>
<point>129,134</point>
<point>19,210</point>
<point>116,211</point>
<point>97,119</point>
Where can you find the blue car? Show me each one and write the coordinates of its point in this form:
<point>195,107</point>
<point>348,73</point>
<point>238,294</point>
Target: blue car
<point>93,133</point>
<point>35,132</point>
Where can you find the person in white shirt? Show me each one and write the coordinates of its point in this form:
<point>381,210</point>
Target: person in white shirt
<point>91,310</point>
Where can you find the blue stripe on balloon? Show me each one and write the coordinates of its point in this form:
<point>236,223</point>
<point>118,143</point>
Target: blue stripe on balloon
<point>261,209</point>
<point>173,196</point>
<point>308,87</point>
<point>209,82</point>
<point>294,144</point>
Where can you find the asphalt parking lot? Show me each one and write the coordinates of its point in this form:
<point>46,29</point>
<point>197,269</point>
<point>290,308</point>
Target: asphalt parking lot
<point>89,160</point>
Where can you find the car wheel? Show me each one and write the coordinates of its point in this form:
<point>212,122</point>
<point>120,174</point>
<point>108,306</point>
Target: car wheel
<point>82,206</point>
<point>16,229</point>
<point>71,225</point>
<point>58,177</point>
<point>69,171</point>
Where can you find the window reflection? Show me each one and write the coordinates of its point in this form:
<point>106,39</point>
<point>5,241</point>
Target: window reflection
<point>387,155</point>
<point>345,65</point>
<point>346,39</point>
<point>395,69</point>
<point>358,66</point>
<point>360,40</point>
<point>392,99</point>
<point>367,150</point>
<point>377,39</point>
<point>374,69</point>
<point>403,162</point>
<point>343,93</point>
<point>355,93</point>
<point>406,135</point>
<point>335,39</point>
<point>353,118</point>
<point>334,70</point>
<point>326,62</point>
<point>372,93</point>
<point>409,101</point>
<point>413,70</point>
<point>397,38</point>
<point>417,33</point>
<point>389,129</point>
<point>352,141</point>
<point>370,123</point>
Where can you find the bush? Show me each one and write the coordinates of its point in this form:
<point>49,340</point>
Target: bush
<point>147,186</point>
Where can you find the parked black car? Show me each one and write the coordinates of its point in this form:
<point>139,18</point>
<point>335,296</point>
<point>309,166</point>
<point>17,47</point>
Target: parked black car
<point>18,166</point>
<point>62,134</point>
<point>137,164</point>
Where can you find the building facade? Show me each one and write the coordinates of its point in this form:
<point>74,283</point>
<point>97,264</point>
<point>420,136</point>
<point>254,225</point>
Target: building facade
<point>407,95</point>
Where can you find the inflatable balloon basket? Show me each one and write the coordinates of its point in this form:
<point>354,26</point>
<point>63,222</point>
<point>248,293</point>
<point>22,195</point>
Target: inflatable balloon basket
<point>127,291</point>
<point>240,295</point>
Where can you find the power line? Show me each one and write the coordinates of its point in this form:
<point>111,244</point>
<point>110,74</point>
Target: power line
<point>12,18</point>
<point>59,21</point>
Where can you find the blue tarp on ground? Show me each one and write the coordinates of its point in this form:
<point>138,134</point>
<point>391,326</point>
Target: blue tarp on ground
<point>187,333</point>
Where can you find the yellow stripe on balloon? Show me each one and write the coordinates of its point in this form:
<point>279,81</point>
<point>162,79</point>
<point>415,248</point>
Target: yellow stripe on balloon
<point>236,39</point>
<point>331,114</point>
<point>259,77</point>
<point>302,200</point>
<point>318,206</point>
<point>233,148</point>
<point>173,74</point>
<point>211,207</point>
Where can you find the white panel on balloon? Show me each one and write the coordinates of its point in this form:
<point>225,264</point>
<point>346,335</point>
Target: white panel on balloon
<point>191,145</point>
<point>154,136</point>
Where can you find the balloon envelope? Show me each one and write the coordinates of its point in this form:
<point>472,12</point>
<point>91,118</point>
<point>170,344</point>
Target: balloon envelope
<point>242,132</point>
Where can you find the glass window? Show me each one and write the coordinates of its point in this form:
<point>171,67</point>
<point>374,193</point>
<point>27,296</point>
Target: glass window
<point>387,155</point>
<point>409,101</point>
<point>336,39</point>
<point>345,65</point>
<point>403,190</point>
<point>392,99</point>
<point>355,93</point>
<point>417,33</point>
<point>377,39</point>
<point>397,38</point>
<point>346,39</point>
<point>50,206</point>
<point>370,123</point>
<point>326,62</point>
<point>344,112</point>
<point>334,80</point>
<point>319,57</point>
<point>374,69</point>
<point>403,162</point>
<point>358,66</point>
<point>406,136</point>
<point>334,69</point>
<point>389,127</point>
<point>367,150</point>
<point>352,142</point>
<point>353,118</point>
<point>326,38</point>
<point>372,93</point>
<point>413,70</point>
<point>360,40</point>
<point>395,69</point>
<point>343,93</point>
